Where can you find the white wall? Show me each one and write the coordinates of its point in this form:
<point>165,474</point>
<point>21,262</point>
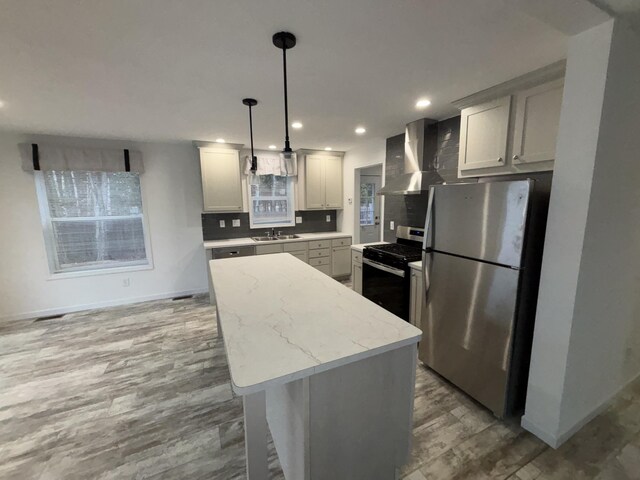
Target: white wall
<point>173,200</point>
<point>587,337</point>
<point>368,153</point>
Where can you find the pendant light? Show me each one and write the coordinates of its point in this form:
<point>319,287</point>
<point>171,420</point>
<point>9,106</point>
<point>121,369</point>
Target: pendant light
<point>251,102</point>
<point>285,41</point>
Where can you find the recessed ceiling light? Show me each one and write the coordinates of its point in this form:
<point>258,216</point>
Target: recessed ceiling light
<point>328,149</point>
<point>272,147</point>
<point>296,125</point>
<point>220,140</point>
<point>360,130</point>
<point>1,104</point>
<point>423,103</point>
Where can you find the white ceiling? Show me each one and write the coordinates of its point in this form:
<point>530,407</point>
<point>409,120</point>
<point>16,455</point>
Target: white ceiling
<point>168,70</point>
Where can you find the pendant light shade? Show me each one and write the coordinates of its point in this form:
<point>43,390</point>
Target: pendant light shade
<point>285,41</point>
<point>251,102</point>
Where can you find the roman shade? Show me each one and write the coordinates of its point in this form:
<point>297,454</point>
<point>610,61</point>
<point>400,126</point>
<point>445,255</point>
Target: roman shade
<point>50,157</point>
<point>275,164</point>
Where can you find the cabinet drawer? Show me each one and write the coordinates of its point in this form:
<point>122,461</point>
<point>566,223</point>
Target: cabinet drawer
<point>341,242</point>
<point>301,255</point>
<point>356,257</point>
<point>295,247</point>
<point>319,244</point>
<point>314,262</point>
<point>320,252</point>
<point>265,249</point>
<point>326,269</point>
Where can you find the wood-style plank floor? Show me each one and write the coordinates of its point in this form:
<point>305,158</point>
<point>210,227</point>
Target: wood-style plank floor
<point>143,391</point>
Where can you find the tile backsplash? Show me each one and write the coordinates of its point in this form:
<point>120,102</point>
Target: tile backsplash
<point>312,221</point>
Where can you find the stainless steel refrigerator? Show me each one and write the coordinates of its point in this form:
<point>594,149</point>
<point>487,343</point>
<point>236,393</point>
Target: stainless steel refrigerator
<point>481,265</point>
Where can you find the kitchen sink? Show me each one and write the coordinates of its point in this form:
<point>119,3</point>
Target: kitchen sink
<point>270,238</point>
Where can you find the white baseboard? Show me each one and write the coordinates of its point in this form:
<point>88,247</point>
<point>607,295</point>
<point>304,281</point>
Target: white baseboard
<point>558,439</point>
<point>93,306</point>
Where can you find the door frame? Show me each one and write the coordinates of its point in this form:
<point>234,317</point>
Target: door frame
<point>356,200</point>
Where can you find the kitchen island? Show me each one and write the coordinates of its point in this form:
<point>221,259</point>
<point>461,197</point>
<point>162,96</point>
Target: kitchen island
<point>330,373</point>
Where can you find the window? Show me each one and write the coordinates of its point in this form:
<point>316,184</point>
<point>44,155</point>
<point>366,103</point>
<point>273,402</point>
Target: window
<point>367,203</point>
<point>92,220</point>
<point>271,201</point>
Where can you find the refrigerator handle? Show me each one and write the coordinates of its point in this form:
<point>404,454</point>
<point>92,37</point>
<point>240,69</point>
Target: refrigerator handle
<point>427,243</point>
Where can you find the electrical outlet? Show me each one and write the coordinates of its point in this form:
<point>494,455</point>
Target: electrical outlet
<point>222,224</point>
<point>328,218</point>
<point>298,219</point>
<point>392,225</point>
<point>350,201</point>
<point>236,222</point>
<point>126,282</point>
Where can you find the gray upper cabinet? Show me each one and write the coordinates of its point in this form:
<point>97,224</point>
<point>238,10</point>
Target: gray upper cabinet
<point>320,181</point>
<point>221,182</point>
<point>537,121</point>
<point>512,127</point>
<point>483,134</point>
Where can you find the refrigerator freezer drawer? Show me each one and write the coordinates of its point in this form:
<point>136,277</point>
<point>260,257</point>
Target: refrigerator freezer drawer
<point>468,325</point>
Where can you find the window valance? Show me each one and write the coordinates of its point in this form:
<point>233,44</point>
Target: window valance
<point>275,164</point>
<point>49,157</point>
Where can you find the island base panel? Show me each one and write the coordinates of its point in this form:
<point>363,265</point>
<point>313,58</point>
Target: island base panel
<point>255,436</point>
<point>353,421</point>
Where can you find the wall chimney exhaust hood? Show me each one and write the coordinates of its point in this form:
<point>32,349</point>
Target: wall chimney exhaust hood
<point>419,162</point>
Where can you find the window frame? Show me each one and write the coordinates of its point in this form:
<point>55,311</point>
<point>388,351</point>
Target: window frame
<point>371,197</point>
<point>82,271</point>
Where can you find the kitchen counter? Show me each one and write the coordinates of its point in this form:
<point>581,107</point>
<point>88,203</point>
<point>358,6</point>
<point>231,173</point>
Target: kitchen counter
<point>292,334</point>
<point>417,265</point>
<point>248,241</point>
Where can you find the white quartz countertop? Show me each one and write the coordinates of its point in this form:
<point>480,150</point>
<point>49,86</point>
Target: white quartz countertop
<point>242,242</point>
<point>360,246</point>
<point>416,265</point>
<point>283,320</point>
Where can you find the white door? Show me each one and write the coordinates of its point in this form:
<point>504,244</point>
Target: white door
<point>369,208</point>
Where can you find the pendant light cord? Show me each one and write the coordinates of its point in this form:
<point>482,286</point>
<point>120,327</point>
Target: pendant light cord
<point>287,147</point>
<point>254,162</point>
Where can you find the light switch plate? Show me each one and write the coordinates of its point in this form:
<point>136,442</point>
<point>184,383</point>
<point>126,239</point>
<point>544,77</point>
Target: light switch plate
<point>328,218</point>
<point>236,222</point>
<point>392,225</point>
<point>298,219</point>
<point>222,224</point>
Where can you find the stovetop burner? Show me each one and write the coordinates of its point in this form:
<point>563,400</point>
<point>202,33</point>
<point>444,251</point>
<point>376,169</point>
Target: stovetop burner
<point>406,252</point>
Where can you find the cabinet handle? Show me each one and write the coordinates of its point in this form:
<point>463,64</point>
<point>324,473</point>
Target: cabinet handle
<point>516,157</point>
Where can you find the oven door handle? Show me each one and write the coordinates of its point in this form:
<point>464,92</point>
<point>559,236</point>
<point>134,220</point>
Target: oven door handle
<point>394,271</point>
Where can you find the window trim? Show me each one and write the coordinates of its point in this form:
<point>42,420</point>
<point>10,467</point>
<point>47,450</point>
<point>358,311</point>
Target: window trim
<point>49,244</point>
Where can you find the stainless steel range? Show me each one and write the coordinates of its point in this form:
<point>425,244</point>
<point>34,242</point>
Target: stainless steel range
<point>385,270</point>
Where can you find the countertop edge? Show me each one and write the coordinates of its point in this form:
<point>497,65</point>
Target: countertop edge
<point>248,242</point>
<point>307,372</point>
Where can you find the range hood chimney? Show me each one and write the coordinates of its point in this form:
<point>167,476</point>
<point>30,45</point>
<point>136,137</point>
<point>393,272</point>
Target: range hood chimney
<point>419,162</point>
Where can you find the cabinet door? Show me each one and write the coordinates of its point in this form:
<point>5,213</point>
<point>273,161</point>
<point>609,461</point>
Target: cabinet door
<point>221,186</point>
<point>340,261</point>
<point>302,255</point>
<point>483,135</point>
<point>537,121</point>
<point>267,249</point>
<point>314,182</point>
<point>333,182</point>
<point>356,277</point>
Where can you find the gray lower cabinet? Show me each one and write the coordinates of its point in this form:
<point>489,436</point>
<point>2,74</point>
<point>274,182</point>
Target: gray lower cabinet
<point>356,271</point>
<point>331,256</point>
<point>341,261</point>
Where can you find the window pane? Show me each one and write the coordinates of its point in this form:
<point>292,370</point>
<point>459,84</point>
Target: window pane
<point>92,194</point>
<point>99,242</point>
<point>271,201</point>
